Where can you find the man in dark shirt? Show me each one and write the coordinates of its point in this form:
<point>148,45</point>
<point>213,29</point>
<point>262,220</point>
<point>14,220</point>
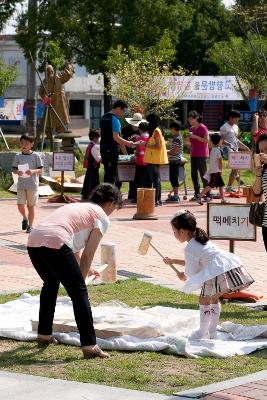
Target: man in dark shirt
<point>111,141</point>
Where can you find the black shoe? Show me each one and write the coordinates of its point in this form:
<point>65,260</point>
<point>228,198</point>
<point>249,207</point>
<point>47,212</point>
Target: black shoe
<point>173,199</point>
<point>194,198</point>
<point>24,224</point>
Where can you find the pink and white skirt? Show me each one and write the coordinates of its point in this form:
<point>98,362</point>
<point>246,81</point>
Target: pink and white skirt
<point>231,281</point>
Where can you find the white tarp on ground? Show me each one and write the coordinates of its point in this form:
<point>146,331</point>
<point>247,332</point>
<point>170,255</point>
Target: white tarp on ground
<point>174,324</point>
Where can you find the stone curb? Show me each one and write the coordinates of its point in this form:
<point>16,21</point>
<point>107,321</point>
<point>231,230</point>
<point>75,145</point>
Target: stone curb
<point>199,392</point>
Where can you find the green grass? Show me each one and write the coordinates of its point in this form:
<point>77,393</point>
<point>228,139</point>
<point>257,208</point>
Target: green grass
<point>155,372</point>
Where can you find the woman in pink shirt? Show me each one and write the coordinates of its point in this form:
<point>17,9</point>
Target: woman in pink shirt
<point>199,151</point>
<point>54,248</point>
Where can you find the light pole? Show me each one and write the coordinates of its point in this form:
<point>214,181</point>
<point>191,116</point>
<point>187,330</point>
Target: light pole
<point>31,74</point>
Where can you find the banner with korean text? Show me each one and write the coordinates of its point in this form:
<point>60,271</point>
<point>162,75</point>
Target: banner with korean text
<point>203,88</point>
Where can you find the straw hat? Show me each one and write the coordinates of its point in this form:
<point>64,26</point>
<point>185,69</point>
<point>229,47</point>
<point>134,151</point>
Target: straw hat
<point>136,119</point>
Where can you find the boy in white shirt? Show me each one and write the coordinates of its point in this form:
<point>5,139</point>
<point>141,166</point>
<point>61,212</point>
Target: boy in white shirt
<point>230,141</point>
<point>215,169</point>
<point>28,166</point>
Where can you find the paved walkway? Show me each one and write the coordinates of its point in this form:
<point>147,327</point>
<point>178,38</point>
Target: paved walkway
<point>18,275</point>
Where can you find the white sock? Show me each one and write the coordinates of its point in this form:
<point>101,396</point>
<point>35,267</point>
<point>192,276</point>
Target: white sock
<point>205,318</point>
<point>215,311</point>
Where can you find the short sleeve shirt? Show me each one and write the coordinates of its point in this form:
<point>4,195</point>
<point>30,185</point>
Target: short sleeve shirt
<point>199,149</point>
<point>230,134</point>
<point>177,146</point>
<point>70,225</point>
<point>116,124</point>
<point>215,155</point>
<point>34,161</point>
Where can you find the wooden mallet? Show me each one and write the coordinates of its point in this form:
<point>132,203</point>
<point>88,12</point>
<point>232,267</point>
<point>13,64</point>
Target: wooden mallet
<point>93,277</point>
<point>143,248</point>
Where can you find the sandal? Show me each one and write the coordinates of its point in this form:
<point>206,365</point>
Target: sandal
<point>94,352</point>
<point>46,342</point>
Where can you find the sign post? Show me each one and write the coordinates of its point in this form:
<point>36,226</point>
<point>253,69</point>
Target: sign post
<point>62,162</point>
<point>239,160</point>
<point>230,222</point>
<point>4,139</point>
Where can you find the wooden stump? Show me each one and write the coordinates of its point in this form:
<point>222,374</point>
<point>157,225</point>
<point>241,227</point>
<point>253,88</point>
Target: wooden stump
<point>109,275</point>
<point>145,204</point>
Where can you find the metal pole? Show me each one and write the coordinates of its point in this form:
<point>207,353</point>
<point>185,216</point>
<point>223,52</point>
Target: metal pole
<point>31,76</point>
<point>232,246</point>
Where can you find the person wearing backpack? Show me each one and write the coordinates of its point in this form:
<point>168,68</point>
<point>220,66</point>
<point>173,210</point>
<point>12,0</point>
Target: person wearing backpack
<point>91,163</point>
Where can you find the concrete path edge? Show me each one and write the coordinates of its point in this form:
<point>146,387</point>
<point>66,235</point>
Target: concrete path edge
<point>199,392</point>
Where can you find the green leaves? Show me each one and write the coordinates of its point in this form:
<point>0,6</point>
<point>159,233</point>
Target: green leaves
<point>7,8</point>
<point>241,57</point>
<point>8,73</point>
<point>141,77</point>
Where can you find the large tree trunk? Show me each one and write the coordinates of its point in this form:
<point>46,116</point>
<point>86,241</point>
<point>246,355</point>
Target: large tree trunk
<point>107,98</point>
<point>31,99</point>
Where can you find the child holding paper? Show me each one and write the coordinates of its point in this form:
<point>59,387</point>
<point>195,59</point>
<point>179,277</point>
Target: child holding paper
<point>28,166</point>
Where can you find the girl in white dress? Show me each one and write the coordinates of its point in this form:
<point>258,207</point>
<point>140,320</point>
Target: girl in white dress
<point>208,268</point>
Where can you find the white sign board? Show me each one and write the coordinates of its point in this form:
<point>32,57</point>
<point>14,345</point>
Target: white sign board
<point>203,88</point>
<point>239,159</point>
<point>63,161</point>
<point>230,221</point>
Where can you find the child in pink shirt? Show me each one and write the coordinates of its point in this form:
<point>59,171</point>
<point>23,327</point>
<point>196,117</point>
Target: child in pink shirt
<point>140,177</point>
<point>199,151</point>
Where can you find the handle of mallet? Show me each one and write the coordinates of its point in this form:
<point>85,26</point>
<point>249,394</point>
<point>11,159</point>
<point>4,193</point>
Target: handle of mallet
<point>161,255</point>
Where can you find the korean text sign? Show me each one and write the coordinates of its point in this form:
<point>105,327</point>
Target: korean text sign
<point>239,160</point>
<point>230,221</point>
<point>202,88</point>
<point>63,161</point>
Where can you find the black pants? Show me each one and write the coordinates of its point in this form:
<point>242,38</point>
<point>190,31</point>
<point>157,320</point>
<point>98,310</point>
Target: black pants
<point>91,180</point>
<point>110,162</point>
<point>198,165</point>
<point>153,173</point>
<point>264,236</point>
<point>56,266</point>
<point>140,178</point>
<point>174,173</point>
<point>132,190</point>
